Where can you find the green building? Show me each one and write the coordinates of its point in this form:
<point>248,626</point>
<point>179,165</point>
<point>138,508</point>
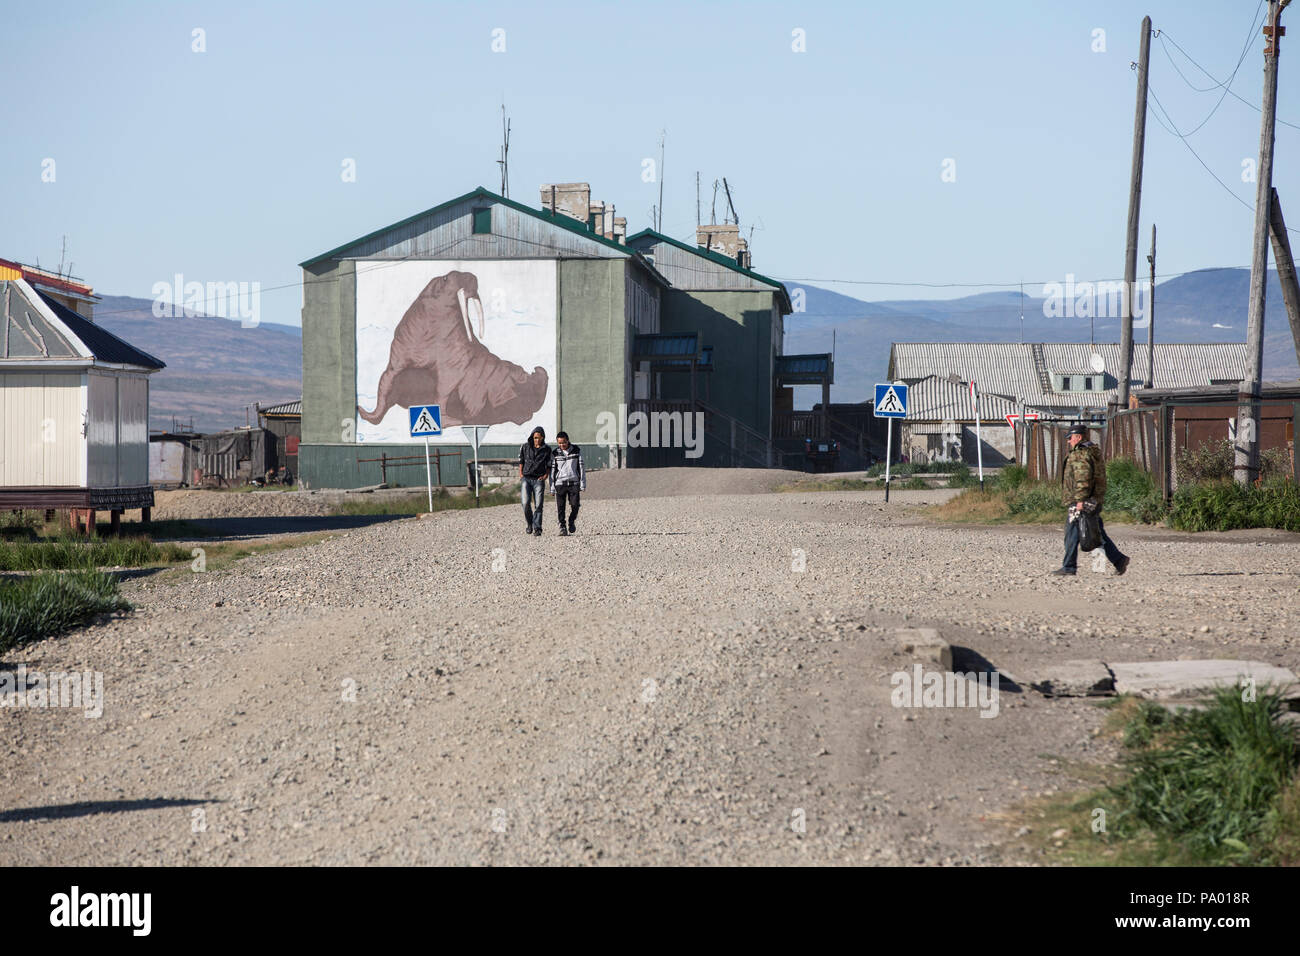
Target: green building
<point>646,351</point>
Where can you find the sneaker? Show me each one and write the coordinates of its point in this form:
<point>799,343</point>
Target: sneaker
<point>564,532</point>
<point>1123,565</point>
<point>528,529</point>
<point>538,532</point>
<point>1064,572</point>
<point>573,529</point>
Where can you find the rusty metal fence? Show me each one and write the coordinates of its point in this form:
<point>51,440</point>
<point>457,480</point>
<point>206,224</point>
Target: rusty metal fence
<point>1156,438</point>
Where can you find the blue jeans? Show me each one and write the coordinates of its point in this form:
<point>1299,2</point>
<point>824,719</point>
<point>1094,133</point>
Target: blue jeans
<point>531,493</point>
<point>1071,562</point>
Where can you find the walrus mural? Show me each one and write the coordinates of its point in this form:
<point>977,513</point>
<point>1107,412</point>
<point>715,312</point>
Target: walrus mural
<point>436,356</point>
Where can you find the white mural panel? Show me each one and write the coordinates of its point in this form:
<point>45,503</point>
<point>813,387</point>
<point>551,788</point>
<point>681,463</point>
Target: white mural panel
<point>476,337</point>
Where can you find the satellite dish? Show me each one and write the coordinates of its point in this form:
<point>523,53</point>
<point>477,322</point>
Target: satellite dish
<point>1097,362</point>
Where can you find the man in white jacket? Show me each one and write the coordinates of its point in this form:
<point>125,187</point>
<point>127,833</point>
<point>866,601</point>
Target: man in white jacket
<point>568,479</point>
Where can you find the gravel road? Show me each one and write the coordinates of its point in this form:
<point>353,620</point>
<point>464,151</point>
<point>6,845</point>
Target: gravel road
<point>695,677</point>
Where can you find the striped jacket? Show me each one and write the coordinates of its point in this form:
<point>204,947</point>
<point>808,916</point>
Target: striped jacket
<point>567,468</point>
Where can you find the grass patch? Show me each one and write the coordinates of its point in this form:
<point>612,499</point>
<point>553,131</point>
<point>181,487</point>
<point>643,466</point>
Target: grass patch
<point>219,555</point>
<point>907,468</point>
<point>418,502</point>
<point>1213,787</point>
<point>42,605</point>
<point>69,552</point>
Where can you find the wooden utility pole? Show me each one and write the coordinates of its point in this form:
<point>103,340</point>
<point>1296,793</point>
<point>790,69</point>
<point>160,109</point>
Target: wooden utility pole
<point>1246,464</point>
<point>1151,315</point>
<point>1134,209</point>
<point>1285,269</point>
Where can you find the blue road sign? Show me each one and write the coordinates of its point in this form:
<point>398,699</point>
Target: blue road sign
<point>891,401</point>
<point>426,420</point>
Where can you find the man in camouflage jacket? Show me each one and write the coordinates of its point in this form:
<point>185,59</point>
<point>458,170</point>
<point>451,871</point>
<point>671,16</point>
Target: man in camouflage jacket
<point>1083,489</point>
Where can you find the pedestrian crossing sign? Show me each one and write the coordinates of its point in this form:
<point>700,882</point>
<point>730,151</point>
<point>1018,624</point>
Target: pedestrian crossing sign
<point>426,420</point>
<point>891,400</point>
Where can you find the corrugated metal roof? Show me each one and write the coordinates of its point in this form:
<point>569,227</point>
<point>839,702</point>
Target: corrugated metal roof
<point>105,346</point>
<point>693,267</point>
<point>1013,369</point>
<point>803,364</point>
<point>939,400</point>
<point>284,408</point>
<point>665,346</point>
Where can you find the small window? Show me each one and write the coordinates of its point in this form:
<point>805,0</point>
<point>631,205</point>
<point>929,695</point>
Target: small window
<point>1087,383</point>
<point>483,220</point>
<point>1065,383</point>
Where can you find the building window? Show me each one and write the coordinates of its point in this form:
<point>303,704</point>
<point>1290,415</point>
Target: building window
<point>1065,383</point>
<point>1087,383</point>
<point>483,220</point>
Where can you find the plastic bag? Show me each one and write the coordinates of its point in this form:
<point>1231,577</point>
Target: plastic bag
<point>1089,531</point>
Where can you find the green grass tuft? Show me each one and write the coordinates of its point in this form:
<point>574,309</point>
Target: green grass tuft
<point>43,605</point>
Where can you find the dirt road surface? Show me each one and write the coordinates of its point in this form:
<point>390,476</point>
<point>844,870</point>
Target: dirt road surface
<point>696,677</point>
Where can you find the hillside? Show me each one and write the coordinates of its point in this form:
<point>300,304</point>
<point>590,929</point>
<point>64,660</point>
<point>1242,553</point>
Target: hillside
<point>215,368</point>
<point>1204,306</point>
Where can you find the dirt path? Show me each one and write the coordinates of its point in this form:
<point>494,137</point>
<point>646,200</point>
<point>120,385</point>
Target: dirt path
<point>665,687</point>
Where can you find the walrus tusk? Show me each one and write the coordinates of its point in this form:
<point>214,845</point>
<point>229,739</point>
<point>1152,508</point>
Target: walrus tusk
<point>478,308</point>
<point>464,313</point>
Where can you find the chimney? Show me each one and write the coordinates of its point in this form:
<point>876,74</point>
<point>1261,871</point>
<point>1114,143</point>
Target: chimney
<point>567,199</point>
<point>724,239</point>
<point>620,230</point>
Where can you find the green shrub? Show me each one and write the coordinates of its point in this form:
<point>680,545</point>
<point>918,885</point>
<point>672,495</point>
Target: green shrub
<point>1035,498</point>
<point>1226,505</point>
<point>42,605</point>
<point>914,484</point>
<point>1216,460</point>
<point>962,477</point>
<point>1012,477</point>
<point>1133,491</point>
<point>1211,782</point>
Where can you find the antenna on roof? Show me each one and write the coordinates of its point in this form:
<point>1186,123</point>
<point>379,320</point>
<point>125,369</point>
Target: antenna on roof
<point>713,210</point>
<point>697,199</point>
<point>659,213</point>
<point>63,255</point>
<point>504,161</point>
<point>734,217</point>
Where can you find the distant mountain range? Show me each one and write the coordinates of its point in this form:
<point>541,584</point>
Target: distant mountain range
<point>216,368</point>
<point>1205,306</point>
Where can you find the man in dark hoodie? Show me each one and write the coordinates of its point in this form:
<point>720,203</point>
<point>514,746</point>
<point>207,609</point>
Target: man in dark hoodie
<point>534,467</point>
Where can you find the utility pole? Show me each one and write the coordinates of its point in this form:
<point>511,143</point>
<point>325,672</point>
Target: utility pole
<point>1285,269</point>
<point>1134,209</point>
<point>1246,464</point>
<point>1151,315</point>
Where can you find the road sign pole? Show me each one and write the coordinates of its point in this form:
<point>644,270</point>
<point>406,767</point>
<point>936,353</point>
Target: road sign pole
<point>889,451</point>
<point>428,472</point>
<point>476,474</point>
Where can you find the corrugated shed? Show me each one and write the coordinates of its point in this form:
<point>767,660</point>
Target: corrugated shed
<point>1012,368</point>
<point>284,408</point>
<point>936,399</point>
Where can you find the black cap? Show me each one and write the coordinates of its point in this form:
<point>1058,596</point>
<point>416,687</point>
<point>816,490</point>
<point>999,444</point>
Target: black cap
<point>1081,430</point>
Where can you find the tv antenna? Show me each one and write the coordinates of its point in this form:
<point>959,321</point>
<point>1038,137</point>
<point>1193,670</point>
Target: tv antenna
<point>504,161</point>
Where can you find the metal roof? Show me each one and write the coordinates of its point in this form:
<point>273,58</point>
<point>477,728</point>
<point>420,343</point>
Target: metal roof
<point>935,399</point>
<point>683,276</point>
<point>284,408</point>
<point>666,346</point>
<point>445,231</point>
<point>1024,370</point>
<point>806,369</point>
<point>41,330</point>
<point>106,346</point>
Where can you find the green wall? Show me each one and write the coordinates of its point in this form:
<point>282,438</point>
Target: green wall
<point>329,352</point>
<point>592,349</point>
<point>738,326</point>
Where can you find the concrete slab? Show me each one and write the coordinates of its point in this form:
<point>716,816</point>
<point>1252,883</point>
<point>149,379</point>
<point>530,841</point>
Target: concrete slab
<point>1073,679</point>
<point>925,644</point>
<point>1176,679</point>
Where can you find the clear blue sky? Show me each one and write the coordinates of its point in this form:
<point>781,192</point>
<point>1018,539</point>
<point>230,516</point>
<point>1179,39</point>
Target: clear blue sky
<point>225,165</point>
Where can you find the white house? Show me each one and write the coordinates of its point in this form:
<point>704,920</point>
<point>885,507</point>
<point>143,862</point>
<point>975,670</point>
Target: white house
<point>74,411</point>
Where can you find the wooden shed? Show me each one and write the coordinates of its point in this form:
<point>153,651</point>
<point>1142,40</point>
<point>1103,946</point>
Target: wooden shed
<point>74,411</point>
